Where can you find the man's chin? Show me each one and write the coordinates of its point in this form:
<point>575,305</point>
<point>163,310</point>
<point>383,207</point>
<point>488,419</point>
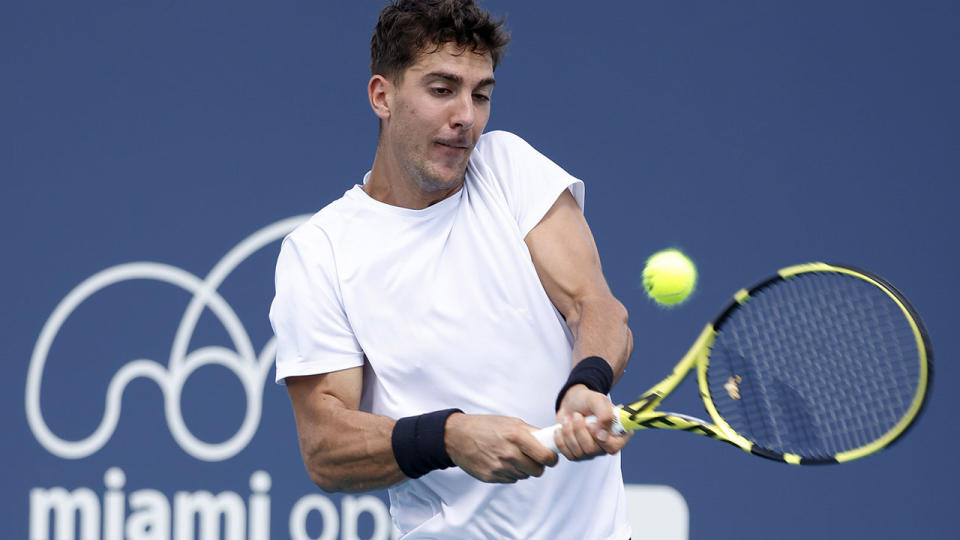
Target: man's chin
<point>439,186</point>
<point>444,181</point>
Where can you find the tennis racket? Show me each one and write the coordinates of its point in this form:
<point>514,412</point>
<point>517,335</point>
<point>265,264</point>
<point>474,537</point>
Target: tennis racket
<point>821,363</point>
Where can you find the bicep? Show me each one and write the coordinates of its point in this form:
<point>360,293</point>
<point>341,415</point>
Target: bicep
<point>565,256</point>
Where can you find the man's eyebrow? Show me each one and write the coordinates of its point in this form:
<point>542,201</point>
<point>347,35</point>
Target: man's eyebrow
<point>456,79</point>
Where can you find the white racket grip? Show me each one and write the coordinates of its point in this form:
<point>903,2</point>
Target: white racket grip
<point>545,436</point>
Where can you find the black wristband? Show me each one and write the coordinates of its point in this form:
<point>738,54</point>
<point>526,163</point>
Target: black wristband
<point>418,443</point>
<point>593,372</point>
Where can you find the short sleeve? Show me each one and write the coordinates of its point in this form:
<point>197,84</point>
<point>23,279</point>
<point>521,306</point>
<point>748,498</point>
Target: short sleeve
<point>529,181</point>
<point>311,326</point>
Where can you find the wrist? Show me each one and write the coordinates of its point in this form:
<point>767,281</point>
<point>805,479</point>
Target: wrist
<point>451,431</point>
<point>418,443</point>
<point>592,372</point>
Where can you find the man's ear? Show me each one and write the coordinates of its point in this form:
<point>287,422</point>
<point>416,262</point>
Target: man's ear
<point>380,92</point>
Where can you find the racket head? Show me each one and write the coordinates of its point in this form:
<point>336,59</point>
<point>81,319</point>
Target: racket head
<point>821,363</point>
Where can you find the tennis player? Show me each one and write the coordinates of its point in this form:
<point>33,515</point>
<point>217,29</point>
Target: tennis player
<point>430,318</point>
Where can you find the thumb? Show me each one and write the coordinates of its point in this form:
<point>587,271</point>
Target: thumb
<point>601,407</point>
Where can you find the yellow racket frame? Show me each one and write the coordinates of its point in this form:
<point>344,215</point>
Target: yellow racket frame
<point>641,414</point>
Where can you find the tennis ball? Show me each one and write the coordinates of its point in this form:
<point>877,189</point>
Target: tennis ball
<point>669,277</point>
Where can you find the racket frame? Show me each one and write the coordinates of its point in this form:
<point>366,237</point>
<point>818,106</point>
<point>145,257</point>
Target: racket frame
<point>641,414</point>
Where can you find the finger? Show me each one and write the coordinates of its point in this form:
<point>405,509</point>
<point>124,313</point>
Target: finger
<point>523,457</point>
<point>602,408</point>
<point>584,436</point>
<point>618,442</point>
<point>561,436</point>
<point>570,441</point>
<point>615,443</point>
<point>527,467</point>
<point>509,471</point>
<point>539,453</point>
<point>523,462</point>
<point>504,477</point>
<point>560,441</point>
<point>531,447</point>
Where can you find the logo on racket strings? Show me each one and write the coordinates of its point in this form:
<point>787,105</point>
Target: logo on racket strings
<point>732,386</point>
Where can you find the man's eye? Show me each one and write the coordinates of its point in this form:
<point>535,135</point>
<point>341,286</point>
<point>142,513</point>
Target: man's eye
<point>481,97</point>
<point>441,91</point>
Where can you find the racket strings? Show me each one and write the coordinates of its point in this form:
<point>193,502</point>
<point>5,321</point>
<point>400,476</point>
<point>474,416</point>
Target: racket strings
<point>814,365</point>
<point>771,411</point>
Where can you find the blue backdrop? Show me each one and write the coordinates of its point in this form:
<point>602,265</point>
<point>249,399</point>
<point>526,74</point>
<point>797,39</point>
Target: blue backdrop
<point>752,134</point>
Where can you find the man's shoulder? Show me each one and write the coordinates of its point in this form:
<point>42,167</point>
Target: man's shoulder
<point>499,140</point>
<point>499,135</point>
<point>325,221</point>
<point>499,149</point>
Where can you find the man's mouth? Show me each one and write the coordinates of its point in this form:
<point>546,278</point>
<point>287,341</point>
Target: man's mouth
<point>454,144</point>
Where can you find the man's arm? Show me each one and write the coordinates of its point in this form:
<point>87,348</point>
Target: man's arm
<point>568,264</point>
<point>345,449</point>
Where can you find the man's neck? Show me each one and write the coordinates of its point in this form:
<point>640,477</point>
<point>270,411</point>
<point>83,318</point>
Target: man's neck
<point>389,184</point>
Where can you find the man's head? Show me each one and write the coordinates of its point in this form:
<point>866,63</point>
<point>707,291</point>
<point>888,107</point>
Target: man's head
<point>432,63</point>
<point>408,28</point>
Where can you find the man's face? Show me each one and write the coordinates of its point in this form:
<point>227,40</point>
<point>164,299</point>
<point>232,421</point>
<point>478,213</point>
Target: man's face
<point>439,110</point>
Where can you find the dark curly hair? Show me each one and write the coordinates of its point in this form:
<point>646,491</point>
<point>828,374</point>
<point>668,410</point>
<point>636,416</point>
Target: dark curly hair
<point>407,28</point>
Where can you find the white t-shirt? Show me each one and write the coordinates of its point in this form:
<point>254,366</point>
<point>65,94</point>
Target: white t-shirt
<point>443,308</point>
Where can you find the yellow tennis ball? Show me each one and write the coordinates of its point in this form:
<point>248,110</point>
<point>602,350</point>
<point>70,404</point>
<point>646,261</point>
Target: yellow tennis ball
<point>669,277</point>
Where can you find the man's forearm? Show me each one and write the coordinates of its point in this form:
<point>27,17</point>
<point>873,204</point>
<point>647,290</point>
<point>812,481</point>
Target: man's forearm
<point>348,450</point>
<point>352,451</point>
<point>600,328</point>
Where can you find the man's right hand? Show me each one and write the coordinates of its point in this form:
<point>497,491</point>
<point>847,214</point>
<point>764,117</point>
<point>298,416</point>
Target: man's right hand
<point>496,449</point>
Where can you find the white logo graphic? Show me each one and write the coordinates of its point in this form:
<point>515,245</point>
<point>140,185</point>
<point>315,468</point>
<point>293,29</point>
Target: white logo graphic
<point>249,367</point>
